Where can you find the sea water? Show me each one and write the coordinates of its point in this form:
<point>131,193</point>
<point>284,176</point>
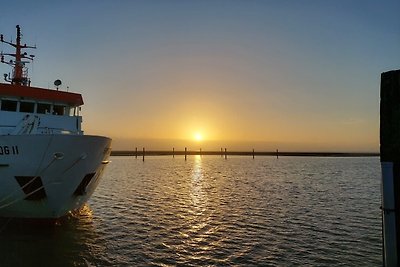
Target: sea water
<point>211,211</point>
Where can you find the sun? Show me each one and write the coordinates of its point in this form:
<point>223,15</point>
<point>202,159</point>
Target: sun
<point>198,137</point>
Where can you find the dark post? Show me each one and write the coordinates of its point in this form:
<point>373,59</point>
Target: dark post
<point>143,154</point>
<point>136,153</point>
<point>185,153</point>
<point>226,156</point>
<point>173,152</point>
<point>222,153</point>
<point>277,154</point>
<point>253,153</point>
<point>390,165</point>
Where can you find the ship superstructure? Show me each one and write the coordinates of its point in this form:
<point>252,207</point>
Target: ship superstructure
<point>48,166</point>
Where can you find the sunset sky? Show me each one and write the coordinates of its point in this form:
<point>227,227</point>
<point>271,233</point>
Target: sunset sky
<point>294,75</point>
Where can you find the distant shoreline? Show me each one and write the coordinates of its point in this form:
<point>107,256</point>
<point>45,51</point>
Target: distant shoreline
<point>139,153</point>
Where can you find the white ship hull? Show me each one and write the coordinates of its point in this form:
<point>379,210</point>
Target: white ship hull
<point>47,176</point>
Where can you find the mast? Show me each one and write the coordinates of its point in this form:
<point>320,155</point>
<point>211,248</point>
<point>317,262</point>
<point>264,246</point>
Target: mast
<point>20,72</point>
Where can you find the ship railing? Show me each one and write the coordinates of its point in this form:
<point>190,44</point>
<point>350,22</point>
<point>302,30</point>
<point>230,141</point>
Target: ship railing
<point>28,123</point>
<point>8,129</point>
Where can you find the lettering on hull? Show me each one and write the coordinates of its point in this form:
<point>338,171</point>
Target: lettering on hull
<point>9,150</point>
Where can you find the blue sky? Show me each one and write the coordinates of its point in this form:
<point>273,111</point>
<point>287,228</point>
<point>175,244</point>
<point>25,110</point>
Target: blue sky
<point>301,75</point>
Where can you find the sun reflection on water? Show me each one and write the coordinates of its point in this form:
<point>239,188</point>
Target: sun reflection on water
<point>85,213</point>
<point>197,194</point>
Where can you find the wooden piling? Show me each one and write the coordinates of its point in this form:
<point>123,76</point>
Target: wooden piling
<point>173,152</point>
<point>136,153</point>
<point>185,153</point>
<point>222,153</point>
<point>390,165</point>
<point>253,153</point>
<point>143,153</point>
<point>277,154</point>
<point>226,156</point>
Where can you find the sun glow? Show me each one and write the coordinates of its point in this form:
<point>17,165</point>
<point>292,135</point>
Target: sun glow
<point>198,137</point>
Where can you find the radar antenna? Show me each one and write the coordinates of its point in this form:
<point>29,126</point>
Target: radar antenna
<point>20,72</point>
<point>57,83</point>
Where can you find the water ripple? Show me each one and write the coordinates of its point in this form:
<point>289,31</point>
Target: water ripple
<point>208,211</point>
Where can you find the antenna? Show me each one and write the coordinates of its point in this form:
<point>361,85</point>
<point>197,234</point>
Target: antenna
<point>20,73</point>
<point>57,83</point>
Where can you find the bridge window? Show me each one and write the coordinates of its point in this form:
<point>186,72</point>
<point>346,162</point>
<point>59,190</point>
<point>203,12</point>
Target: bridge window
<point>69,111</point>
<point>9,105</point>
<point>26,107</point>
<point>43,108</point>
<point>58,110</point>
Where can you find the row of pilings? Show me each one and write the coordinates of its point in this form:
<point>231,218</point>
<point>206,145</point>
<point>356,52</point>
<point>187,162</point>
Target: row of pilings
<point>223,152</point>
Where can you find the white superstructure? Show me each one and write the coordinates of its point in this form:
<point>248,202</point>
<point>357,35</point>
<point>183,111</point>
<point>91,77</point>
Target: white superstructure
<point>48,167</point>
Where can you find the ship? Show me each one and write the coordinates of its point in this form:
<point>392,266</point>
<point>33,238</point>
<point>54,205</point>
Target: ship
<point>48,167</point>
